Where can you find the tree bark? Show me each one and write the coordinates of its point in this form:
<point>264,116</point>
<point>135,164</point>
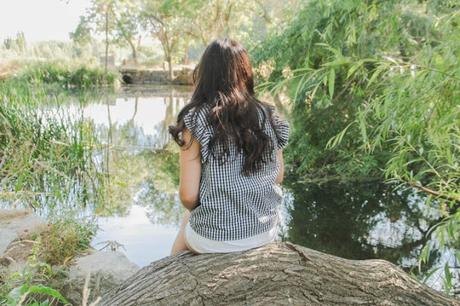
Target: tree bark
<point>279,273</point>
<point>170,68</point>
<point>106,43</point>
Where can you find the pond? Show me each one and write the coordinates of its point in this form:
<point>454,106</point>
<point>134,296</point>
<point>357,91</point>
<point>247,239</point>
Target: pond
<point>141,210</point>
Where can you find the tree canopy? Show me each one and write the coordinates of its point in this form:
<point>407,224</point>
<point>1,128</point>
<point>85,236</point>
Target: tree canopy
<point>374,90</point>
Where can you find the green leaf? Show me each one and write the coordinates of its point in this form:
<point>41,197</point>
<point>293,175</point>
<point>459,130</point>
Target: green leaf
<point>354,68</point>
<point>362,127</point>
<point>334,141</point>
<point>425,254</point>
<point>427,276</point>
<point>338,62</point>
<point>448,278</point>
<point>48,291</point>
<point>375,75</point>
<point>331,82</point>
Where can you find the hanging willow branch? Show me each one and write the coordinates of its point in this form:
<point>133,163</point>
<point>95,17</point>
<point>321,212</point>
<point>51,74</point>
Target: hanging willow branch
<point>435,193</point>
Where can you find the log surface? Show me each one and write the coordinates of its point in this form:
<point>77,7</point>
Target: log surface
<point>279,273</point>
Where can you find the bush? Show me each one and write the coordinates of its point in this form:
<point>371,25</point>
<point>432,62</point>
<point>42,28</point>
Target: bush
<point>63,240</point>
<point>374,90</point>
<point>67,76</point>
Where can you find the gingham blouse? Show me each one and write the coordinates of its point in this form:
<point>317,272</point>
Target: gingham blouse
<point>233,206</point>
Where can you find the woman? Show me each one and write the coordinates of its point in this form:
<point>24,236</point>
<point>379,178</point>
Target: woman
<point>231,160</point>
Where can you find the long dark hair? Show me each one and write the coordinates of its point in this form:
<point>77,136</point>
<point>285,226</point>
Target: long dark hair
<point>223,80</point>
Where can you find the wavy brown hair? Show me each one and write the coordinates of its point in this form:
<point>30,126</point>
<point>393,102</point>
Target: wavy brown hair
<point>223,80</point>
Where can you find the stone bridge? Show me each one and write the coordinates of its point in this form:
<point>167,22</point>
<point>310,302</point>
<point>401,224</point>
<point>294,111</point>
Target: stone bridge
<point>155,76</point>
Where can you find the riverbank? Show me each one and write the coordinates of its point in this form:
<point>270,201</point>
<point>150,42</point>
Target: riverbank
<point>38,263</point>
<point>71,76</point>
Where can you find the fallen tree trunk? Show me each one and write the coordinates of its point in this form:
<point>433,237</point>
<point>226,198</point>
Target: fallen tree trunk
<point>279,273</point>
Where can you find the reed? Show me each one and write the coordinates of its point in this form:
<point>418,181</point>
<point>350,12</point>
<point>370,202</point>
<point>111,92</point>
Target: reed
<point>46,152</point>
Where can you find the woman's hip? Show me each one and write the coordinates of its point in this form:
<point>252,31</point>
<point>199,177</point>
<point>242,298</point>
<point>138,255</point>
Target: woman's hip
<point>202,244</point>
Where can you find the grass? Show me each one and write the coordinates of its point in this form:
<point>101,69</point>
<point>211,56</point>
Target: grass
<point>41,280</point>
<point>63,240</point>
<point>64,75</point>
<point>46,162</point>
<point>46,151</point>
<point>26,287</point>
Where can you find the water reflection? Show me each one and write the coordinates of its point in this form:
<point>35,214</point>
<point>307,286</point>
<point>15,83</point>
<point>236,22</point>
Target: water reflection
<point>364,221</point>
<point>355,221</point>
<point>141,165</point>
<point>143,240</point>
<point>133,193</point>
<point>134,122</point>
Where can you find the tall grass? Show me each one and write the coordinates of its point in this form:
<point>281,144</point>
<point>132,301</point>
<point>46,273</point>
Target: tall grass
<point>46,153</point>
<point>68,76</point>
<point>60,74</point>
<point>46,162</point>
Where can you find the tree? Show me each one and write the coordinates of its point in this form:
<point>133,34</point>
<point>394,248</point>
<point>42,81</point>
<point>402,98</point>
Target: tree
<point>127,28</point>
<point>117,20</point>
<point>373,86</point>
<point>242,20</point>
<point>179,24</point>
<point>98,19</point>
<point>82,34</point>
<point>165,21</point>
<point>277,273</point>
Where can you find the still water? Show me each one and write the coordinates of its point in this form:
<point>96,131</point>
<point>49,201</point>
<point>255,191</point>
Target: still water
<point>141,211</point>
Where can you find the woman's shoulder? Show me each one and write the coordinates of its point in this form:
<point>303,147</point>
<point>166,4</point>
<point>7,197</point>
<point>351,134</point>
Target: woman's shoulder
<point>198,114</point>
<point>196,121</point>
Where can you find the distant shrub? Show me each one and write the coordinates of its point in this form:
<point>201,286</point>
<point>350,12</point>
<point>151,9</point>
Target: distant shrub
<point>68,76</point>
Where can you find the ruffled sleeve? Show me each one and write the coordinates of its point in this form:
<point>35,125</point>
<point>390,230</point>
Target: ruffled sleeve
<point>196,122</point>
<point>281,130</point>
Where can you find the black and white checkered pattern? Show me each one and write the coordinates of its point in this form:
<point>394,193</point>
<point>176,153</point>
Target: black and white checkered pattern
<point>233,206</point>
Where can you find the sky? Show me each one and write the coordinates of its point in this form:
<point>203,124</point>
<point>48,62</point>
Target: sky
<point>40,19</point>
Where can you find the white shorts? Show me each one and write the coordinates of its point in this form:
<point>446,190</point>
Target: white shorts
<point>202,244</point>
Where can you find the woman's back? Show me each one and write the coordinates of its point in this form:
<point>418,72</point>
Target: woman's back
<point>233,205</point>
<point>229,175</point>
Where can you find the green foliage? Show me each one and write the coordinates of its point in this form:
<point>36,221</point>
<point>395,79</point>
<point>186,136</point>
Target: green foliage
<point>168,174</point>
<point>67,76</point>
<point>119,21</point>
<point>45,270</point>
<point>26,295</point>
<point>46,152</point>
<point>415,113</point>
<point>82,34</point>
<point>320,60</point>
<point>374,87</point>
<point>160,194</point>
<point>56,51</point>
<point>18,44</point>
<point>34,284</point>
<point>46,161</point>
<point>179,25</point>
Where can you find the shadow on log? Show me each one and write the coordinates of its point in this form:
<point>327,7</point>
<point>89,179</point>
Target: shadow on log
<point>279,273</point>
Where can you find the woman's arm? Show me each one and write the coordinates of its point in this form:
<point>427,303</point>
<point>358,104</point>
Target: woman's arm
<point>190,172</point>
<point>279,157</point>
